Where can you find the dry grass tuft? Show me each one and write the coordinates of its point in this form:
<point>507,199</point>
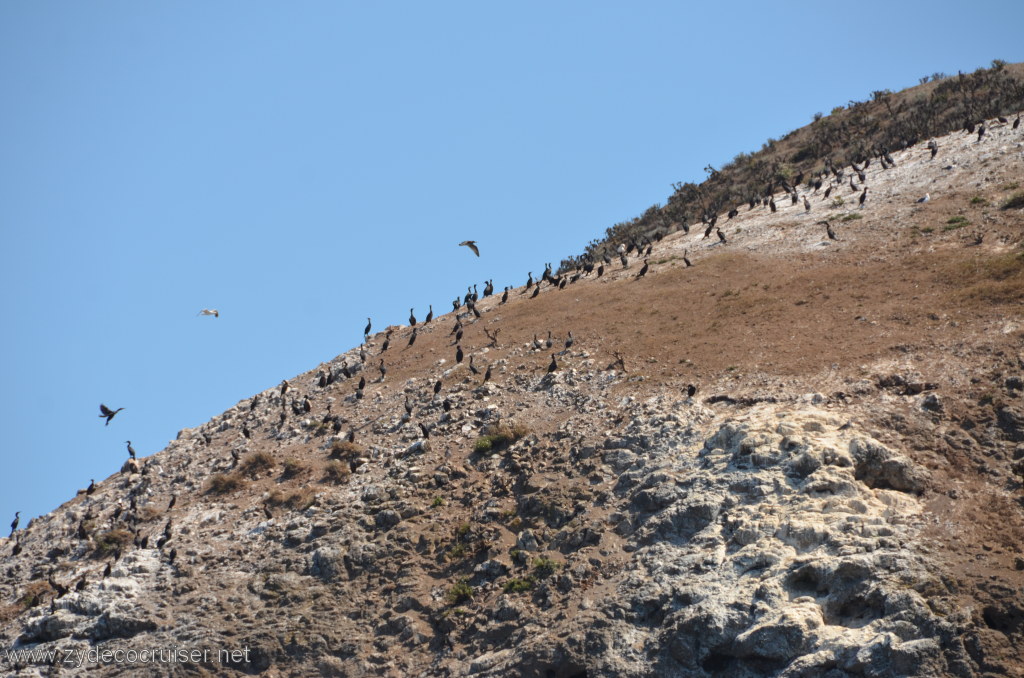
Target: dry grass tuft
<point>299,500</point>
<point>255,464</point>
<point>223,483</point>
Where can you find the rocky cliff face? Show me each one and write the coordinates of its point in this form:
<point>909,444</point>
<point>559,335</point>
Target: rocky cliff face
<point>840,497</point>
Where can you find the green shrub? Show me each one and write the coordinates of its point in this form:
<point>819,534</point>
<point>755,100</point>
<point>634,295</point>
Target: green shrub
<point>112,540</point>
<point>545,567</point>
<point>459,592</point>
<point>517,585</point>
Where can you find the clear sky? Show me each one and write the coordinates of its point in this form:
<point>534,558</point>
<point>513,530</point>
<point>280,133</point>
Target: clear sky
<point>301,166</point>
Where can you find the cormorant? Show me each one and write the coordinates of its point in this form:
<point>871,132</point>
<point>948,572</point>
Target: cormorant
<point>412,318</point>
<point>807,204</point>
<point>408,406</point>
<point>536,342</point>
<point>771,204</point>
<point>423,429</point>
<point>362,382</point>
<point>828,230</point>
<point>383,370</point>
<point>472,367</point>
<point>691,390</point>
<point>643,271</point>
<point>172,502</point>
<point>553,366</point>
<point>430,315</point>
<point>863,196</point>
<point>458,353</point>
<point>981,131</point>
<point>550,342</point>
<point>504,296</point>
<point>412,337</point>
<point>487,374</point>
<point>131,450</point>
<point>600,270</point>
<point>284,387</point>
<point>447,405</point>
<point>351,436</point>
<point>624,260</point>
<point>14,523</point>
<point>828,191</point>
<point>92,486</point>
<point>686,259</point>
<point>707,231</point>
<point>536,291</point>
<point>387,342</point>
<point>569,341</point>
<point>82,583</point>
<point>108,413</point>
<point>366,330</point>
<point>721,236</point>
<point>437,387</point>
<point>529,281</point>
<point>933,146</point>
<point>471,244</point>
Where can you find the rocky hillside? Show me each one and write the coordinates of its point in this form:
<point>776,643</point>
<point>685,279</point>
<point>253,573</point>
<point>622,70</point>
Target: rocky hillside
<point>798,456</point>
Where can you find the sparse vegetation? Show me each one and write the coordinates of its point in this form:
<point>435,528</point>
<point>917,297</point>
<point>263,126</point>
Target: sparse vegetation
<point>956,222</point>
<point>255,464</point>
<point>978,200</point>
<point>343,449</point>
<point>112,540</point>
<point>438,501</point>
<point>499,436</point>
<point>292,468</point>
<point>459,592</point>
<point>993,279</point>
<point>299,500</point>
<point>222,483</point>
<point>1016,202</point>
<point>852,216</point>
<point>336,472</point>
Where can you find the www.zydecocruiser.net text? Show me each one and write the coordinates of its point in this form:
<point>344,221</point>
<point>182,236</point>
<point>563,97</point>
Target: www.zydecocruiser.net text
<point>159,655</point>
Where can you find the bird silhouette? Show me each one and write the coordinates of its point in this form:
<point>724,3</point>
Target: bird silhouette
<point>210,311</point>
<point>553,365</point>
<point>471,244</point>
<point>721,236</point>
<point>412,337</point>
<point>131,450</point>
<point>487,374</point>
<point>647,266</point>
<point>108,413</point>
<point>92,487</point>
<point>14,523</point>
<point>412,318</point>
<point>458,353</point>
<point>430,315</point>
<point>366,330</point>
<point>437,387</point>
<point>828,230</point>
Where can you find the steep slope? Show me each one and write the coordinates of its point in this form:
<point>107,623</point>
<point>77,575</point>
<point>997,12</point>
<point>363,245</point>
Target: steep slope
<point>841,495</point>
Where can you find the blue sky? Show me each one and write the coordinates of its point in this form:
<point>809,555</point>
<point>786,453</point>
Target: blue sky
<point>301,166</point>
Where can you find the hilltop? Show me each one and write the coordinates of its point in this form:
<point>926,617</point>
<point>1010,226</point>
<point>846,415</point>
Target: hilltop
<point>842,495</point>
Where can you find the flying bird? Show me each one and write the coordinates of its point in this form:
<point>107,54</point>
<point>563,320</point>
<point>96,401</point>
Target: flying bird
<point>210,311</point>
<point>471,244</point>
<point>108,413</point>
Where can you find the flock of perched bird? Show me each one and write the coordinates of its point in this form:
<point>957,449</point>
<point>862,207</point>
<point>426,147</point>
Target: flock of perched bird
<point>465,308</point>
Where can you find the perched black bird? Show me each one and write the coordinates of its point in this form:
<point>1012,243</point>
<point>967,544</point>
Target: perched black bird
<point>504,296</point>
<point>108,413</point>
<point>686,260</point>
<point>362,381</point>
<point>82,583</point>
<point>92,487</point>
<point>412,318</point>
<point>437,387</point>
<point>933,146</point>
<point>106,571</point>
<point>412,337</point>
<point>447,404</point>
<point>553,366</point>
<point>471,244</point>
<point>829,231</point>
<point>366,331</point>
<point>863,196</point>
<point>487,374</point>
<point>536,291</point>
<point>284,387</point>
<point>236,456</point>
<point>600,270</point>
<point>721,236</point>
<point>14,523</point>
<point>351,436</point>
<point>430,315</point>
<point>383,370</point>
<point>172,502</point>
<point>647,266</point>
<point>707,231</point>
<point>458,353</point>
<point>423,429</point>
<point>981,131</point>
<point>771,204</point>
<point>131,450</point>
<point>387,342</point>
<point>569,341</point>
<point>472,367</point>
<point>1016,123</point>
<point>549,342</point>
<point>691,390</point>
<point>408,406</point>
